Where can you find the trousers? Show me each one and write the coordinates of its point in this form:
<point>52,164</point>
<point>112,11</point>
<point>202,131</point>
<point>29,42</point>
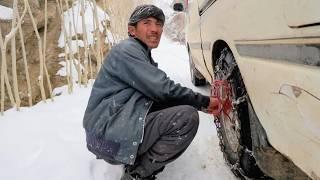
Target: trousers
<point>167,134</point>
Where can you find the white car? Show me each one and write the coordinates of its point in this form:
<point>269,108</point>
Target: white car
<point>264,57</point>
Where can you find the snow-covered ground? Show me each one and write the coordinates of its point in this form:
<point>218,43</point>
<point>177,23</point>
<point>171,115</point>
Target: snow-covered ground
<point>6,13</point>
<point>47,141</point>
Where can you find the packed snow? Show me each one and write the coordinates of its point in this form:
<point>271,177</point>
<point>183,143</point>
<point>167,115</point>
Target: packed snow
<point>6,13</point>
<point>47,141</point>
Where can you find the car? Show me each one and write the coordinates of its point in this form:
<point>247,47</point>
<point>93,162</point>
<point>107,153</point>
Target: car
<point>263,59</point>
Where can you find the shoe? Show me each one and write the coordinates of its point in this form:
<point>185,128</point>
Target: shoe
<point>134,176</point>
<point>127,176</point>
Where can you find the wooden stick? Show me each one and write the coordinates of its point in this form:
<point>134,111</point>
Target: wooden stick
<point>77,46</point>
<point>24,56</point>
<point>97,36</point>
<point>85,42</point>
<point>45,48</point>
<point>4,74</point>
<point>14,57</point>
<point>69,63</point>
<point>40,78</point>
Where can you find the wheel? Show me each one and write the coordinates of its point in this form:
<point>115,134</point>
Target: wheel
<point>196,77</point>
<point>234,127</point>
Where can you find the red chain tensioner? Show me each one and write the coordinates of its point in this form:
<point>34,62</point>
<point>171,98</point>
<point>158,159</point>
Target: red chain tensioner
<point>221,89</point>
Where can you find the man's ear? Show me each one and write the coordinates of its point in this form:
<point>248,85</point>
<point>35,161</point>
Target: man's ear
<point>132,31</point>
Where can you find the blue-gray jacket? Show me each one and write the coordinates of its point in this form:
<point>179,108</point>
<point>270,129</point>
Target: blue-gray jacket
<point>126,87</point>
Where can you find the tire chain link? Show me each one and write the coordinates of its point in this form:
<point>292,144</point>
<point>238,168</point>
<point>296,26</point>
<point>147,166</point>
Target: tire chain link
<point>236,168</point>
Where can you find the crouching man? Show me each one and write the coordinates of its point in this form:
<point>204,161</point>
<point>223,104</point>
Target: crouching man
<point>136,115</point>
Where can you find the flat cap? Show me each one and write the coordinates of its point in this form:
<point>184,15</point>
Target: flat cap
<point>146,11</point>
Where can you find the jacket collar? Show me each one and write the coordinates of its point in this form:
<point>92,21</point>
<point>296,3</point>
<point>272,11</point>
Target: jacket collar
<point>148,50</point>
<point>144,45</point>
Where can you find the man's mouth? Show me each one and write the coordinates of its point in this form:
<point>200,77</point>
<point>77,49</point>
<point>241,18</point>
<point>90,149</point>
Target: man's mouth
<point>154,38</point>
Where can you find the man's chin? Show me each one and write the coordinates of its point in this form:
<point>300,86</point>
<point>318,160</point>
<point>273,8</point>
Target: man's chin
<point>153,45</point>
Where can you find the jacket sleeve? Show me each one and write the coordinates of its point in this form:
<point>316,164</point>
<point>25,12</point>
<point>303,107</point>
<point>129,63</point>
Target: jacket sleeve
<point>131,65</point>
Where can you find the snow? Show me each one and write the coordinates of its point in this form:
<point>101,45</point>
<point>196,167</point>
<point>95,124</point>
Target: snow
<point>73,70</point>
<point>166,6</point>
<point>70,22</point>
<point>6,13</point>
<point>47,141</point>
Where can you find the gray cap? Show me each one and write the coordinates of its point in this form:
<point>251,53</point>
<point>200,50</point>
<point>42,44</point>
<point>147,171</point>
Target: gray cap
<point>146,11</point>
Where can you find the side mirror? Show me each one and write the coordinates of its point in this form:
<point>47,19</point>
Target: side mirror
<point>178,7</point>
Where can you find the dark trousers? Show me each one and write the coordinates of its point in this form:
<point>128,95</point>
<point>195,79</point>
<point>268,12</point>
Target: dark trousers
<point>167,134</point>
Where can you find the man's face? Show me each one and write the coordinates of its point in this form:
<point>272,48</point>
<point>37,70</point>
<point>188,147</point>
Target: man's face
<point>147,30</point>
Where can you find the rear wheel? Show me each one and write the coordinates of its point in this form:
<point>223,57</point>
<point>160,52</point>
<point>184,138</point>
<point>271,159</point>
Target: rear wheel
<point>197,78</point>
<point>234,127</point>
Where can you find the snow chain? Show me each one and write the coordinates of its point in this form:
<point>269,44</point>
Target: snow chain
<point>235,102</point>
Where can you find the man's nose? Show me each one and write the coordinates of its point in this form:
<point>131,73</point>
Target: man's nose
<point>155,27</point>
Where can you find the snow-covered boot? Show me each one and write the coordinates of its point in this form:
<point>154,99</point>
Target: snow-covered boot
<point>127,176</point>
<point>130,173</point>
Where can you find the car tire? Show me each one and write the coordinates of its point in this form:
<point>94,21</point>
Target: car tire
<point>197,78</point>
<point>234,128</point>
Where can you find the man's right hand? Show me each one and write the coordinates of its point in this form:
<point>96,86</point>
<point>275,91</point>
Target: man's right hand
<point>215,106</point>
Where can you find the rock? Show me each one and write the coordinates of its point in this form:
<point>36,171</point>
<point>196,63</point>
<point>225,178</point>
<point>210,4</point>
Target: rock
<point>32,52</point>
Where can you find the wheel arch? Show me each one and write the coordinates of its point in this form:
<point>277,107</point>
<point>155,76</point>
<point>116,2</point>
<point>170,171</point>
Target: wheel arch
<point>216,49</point>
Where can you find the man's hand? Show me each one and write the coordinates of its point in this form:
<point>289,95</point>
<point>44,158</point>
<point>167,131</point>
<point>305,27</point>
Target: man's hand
<point>215,106</point>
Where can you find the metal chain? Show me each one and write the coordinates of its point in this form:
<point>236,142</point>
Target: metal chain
<point>226,74</point>
<point>235,102</point>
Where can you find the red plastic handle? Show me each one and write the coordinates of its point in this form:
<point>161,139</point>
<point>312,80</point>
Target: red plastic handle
<point>221,90</point>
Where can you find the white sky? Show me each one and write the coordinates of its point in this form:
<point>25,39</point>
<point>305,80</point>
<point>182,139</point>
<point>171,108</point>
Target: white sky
<point>6,13</point>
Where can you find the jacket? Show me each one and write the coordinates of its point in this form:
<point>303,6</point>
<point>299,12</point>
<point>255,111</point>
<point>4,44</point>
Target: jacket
<point>125,88</point>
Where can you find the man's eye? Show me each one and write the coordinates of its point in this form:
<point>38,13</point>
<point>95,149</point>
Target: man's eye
<point>146,22</point>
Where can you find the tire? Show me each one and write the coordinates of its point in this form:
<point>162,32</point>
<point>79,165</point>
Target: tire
<point>197,78</point>
<point>234,128</point>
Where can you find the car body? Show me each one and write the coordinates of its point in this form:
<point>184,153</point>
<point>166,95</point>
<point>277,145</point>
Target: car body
<point>276,46</point>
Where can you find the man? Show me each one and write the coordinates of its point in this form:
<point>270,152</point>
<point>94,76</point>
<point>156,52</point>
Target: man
<point>136,115</point>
